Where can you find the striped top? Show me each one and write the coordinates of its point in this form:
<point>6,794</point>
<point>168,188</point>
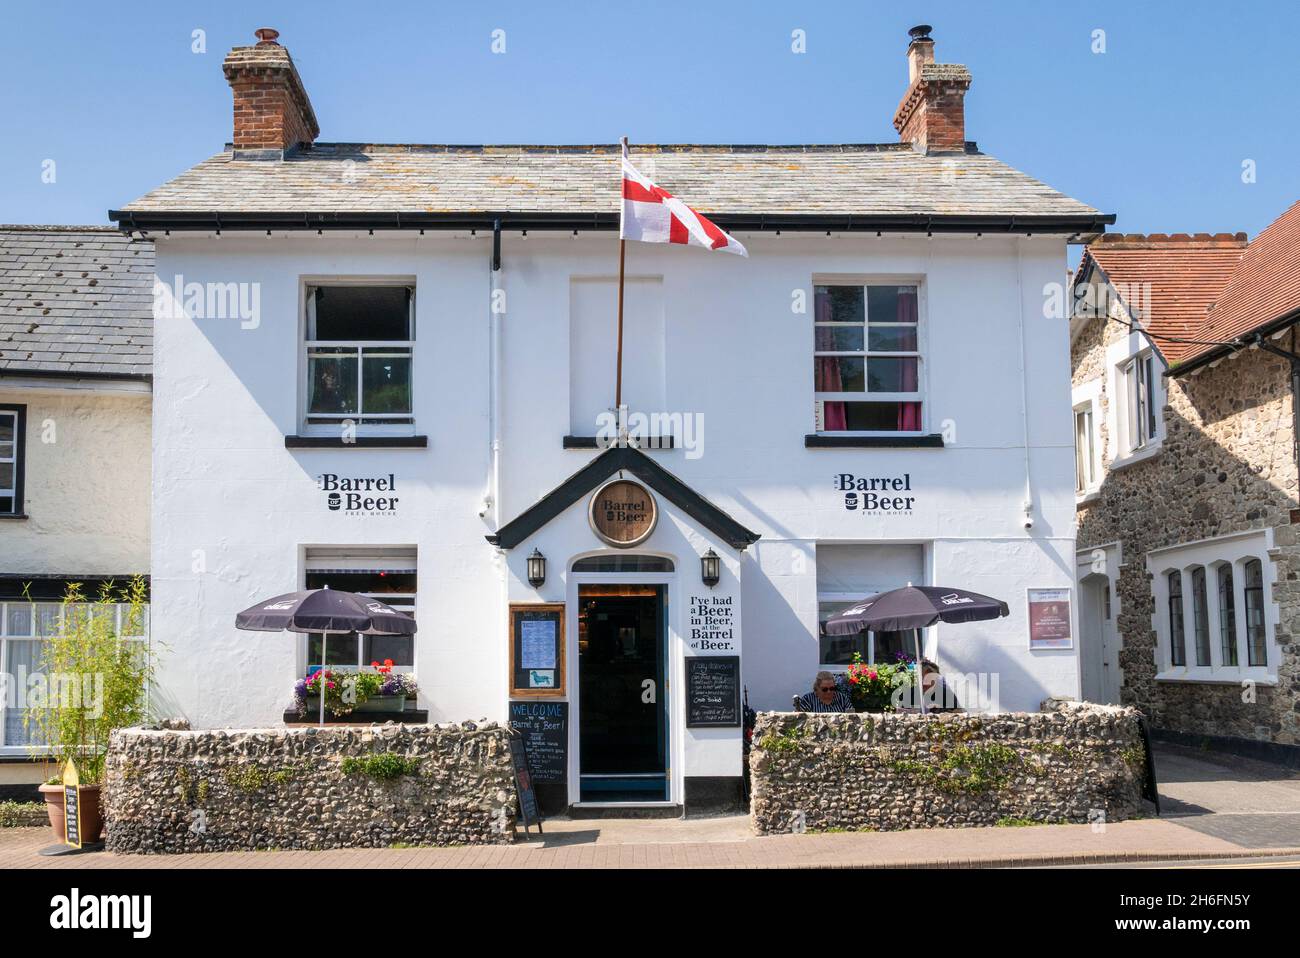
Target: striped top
<point>809,702</point>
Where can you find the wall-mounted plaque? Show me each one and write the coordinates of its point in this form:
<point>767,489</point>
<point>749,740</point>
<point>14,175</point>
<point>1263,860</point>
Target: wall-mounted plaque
<point>1049,619</point>
<point>623,513</point>
<point>537,649</point>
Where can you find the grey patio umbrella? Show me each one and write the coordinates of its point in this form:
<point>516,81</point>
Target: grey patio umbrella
<point>915,607</point>
<point>327,611</point>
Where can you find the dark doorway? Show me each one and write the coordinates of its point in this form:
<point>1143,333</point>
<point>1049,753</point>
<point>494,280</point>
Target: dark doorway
<point>623,722</point>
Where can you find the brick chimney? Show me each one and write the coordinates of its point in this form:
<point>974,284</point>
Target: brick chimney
<point>932,114</point>
<point>272,112</point>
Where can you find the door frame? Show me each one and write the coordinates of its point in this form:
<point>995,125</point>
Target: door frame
<point>674,668</point>
<point>1111,678</point>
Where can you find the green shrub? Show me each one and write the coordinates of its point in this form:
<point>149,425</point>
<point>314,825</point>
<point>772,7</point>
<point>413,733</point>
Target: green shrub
<point>384,767</point>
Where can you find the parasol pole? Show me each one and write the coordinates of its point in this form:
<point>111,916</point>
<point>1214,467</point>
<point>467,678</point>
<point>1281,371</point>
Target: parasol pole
<point>324,648</point>
<point>622,257</point>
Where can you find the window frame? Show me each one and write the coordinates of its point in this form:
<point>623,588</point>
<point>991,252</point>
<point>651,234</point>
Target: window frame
<point>358,559</point>
<point>851,598</point>
<point>1220,557</point>
<point>922,392</point>
<point>7,749</point>
<point>306,345</point>
<point>19,413</point>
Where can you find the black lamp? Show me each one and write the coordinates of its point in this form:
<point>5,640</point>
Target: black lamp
<point>710,568</point>
<point>536,569</point>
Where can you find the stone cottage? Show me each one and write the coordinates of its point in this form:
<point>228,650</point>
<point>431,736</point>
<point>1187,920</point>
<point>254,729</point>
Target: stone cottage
<point>1185,375</point>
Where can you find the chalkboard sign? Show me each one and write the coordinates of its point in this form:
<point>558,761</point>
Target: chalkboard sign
<point>545,730</point>
<point>71,816</point>
<point>713,691</point>
<point>537,650</point>
<point>529,813</point>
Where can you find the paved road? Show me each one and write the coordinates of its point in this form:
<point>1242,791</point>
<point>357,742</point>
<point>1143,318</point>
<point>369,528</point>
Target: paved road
<point>1220,811</point>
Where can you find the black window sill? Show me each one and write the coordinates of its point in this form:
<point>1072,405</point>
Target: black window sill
<point>592,442</point>
<point>815,441</point>
<point>360,442</point>
<point>405,717</point>
<point>15,516</point>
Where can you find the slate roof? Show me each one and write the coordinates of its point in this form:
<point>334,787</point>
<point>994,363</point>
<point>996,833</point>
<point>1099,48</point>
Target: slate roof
<point>727,182</point>
<point>75,300</point>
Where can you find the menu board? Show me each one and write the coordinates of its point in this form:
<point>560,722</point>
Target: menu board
<point>713,691</point>
<point>529,813</point>
<point>537,649</point>
<point>544,727</point>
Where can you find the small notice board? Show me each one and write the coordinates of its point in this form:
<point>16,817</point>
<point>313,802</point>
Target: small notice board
<point>713,691</point>
<point>537,650</point>
<point>1049,619</point>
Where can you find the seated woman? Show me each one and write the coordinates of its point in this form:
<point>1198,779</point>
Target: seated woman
<point>825,696</point>
<point>939,697</point>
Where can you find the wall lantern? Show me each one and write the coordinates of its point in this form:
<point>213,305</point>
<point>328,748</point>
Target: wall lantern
<point>710,568</point>
<point>536,569</point>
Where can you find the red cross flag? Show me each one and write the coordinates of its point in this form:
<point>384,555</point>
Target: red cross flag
<point>653,215</point>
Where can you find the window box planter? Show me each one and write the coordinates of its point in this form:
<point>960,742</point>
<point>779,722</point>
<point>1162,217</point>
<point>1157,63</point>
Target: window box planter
<point>376,703</point>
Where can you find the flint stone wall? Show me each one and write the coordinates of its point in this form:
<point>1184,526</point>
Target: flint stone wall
<point>883,772</point>
<point>190,791</point>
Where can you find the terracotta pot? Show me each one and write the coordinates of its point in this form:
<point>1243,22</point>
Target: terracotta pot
<point>92,816</point>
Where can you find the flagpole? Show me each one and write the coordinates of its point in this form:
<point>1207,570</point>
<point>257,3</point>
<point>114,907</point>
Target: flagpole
<point>622,257</point>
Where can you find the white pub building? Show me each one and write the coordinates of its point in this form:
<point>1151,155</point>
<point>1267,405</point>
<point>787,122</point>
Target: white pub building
<point>391,369</point>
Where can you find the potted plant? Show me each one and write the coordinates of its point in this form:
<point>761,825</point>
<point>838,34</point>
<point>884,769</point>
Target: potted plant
<point>96,675</point>
<point>379,689</point>
<point>871,687</point>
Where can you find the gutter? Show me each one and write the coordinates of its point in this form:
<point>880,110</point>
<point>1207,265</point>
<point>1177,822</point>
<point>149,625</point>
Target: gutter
<point>10,372</point>
<point>1219,352</point>
<point>146,221</point>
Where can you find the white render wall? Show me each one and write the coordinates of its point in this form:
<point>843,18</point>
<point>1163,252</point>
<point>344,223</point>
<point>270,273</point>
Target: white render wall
<point>86,483</point>
<point>231,502</point>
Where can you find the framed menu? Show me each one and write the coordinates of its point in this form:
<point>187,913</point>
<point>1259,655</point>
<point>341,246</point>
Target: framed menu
<point>536,649</point>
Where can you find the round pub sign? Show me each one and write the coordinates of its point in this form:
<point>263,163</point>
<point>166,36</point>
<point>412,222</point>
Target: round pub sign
<point>623,513</point>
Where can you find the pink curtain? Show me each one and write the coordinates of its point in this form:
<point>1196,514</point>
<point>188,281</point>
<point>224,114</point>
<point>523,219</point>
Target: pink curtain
<point>826,369</point>
<point>909,413</point>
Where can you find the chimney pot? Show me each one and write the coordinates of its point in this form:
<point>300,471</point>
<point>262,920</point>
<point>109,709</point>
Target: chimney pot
<point>266,37</point>
<point>932,114</point>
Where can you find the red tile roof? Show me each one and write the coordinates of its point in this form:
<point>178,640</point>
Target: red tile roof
<point>1205,291</point>
<point>1265,285</point>
<point>1186,274</point>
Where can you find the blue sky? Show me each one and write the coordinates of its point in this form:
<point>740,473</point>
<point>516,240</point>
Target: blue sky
<point>1155,129</point>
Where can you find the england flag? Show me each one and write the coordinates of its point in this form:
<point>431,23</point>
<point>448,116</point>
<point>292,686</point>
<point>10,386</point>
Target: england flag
<point>653,215</point>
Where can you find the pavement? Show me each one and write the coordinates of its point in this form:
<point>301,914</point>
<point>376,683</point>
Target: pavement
<point>1218,810</point>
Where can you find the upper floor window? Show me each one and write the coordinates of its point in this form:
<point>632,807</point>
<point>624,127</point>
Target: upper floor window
<point>359,342</point>
<point>866,358</point>
<point>1140,392</point>
<point>1085,450</point>
<point>12,429</point>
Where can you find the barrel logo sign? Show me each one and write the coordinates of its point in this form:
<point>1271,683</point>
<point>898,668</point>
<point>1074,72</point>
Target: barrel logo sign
<point>623,513</point>
<point>359,495</point>
<point>876,495</point>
